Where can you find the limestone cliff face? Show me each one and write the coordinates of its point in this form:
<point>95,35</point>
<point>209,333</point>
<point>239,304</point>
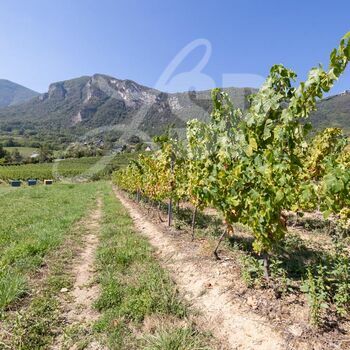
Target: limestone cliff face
<point>128,91</point>
<point>57,91</point>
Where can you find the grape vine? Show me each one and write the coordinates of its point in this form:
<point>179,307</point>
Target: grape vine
<point>253,166</point>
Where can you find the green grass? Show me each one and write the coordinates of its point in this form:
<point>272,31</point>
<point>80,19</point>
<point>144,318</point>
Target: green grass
<point>175,339</point>
<point>36,324</point>
<point>24,151</point>
<point>35,221</point>
<point>39,237</point>
<point>5,189</point>
<point>134,288</point>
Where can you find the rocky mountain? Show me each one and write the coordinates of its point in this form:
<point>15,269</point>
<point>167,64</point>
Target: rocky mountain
<point>333,111</point>
<point>100,104</point>
<point>87,104</point>
<point>13,94</point>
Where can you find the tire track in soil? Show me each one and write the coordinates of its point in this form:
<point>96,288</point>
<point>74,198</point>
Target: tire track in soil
<point>204,284</point>
<point>77,304</point>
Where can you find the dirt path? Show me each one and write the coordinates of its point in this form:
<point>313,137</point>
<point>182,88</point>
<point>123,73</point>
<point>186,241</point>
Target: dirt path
<point>77,303</point>
<point>205,285</point>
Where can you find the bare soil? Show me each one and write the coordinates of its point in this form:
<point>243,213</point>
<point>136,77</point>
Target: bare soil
<point>290,313</point>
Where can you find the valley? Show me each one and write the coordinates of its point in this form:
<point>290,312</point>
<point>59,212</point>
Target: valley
<point>144,208</point>
<point>104,110</point>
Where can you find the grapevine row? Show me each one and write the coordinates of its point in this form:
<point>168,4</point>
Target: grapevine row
<point>255,166</point>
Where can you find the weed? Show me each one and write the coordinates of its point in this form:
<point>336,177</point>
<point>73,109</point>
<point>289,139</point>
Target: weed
<point>175,339</point>
<point>316,290</point>
<point>12,287</point>
<point>280,276</point>
<point>252,270</point>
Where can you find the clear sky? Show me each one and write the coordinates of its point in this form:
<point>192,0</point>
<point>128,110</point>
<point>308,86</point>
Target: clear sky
<point>42,41</point>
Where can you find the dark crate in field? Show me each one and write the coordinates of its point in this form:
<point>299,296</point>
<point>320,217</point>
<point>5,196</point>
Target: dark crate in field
<point>15,183</point>
<point>32,182</point>
<point>48,182</point>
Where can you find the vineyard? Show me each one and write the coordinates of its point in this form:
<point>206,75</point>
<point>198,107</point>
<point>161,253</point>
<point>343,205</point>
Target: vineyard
<point>175,175</point>
<point>257,170</point>
<point>249,216</point>
<point>85,168</point>
<point>64,168</point>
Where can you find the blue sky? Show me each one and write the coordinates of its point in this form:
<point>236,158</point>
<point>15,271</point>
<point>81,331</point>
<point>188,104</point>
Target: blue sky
<point>45,41</point>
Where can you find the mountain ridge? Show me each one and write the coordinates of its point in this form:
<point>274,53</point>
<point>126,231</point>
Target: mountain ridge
<point>89,104</point>
<point>12,93</point>
<point>333,111</point>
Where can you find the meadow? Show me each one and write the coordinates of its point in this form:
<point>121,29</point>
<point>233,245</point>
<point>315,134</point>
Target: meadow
<point>24,151</point>
<point>35,221</point>
<point>42,231</point>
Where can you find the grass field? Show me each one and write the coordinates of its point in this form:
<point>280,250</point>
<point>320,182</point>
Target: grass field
<point>39,238</point>
<point>34,221</point>
<point>24,151</point>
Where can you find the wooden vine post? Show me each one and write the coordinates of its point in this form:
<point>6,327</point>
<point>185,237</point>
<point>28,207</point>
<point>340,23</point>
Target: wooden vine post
<point>170,204</point>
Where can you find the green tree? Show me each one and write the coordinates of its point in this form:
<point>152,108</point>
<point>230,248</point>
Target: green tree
<point>3,152</point>
<point>45,154</point>
<point>16,157</point>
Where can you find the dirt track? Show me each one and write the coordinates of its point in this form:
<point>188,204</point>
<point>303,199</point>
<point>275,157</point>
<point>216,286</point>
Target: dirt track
<point>77,304</point>
<point>204,286</point>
